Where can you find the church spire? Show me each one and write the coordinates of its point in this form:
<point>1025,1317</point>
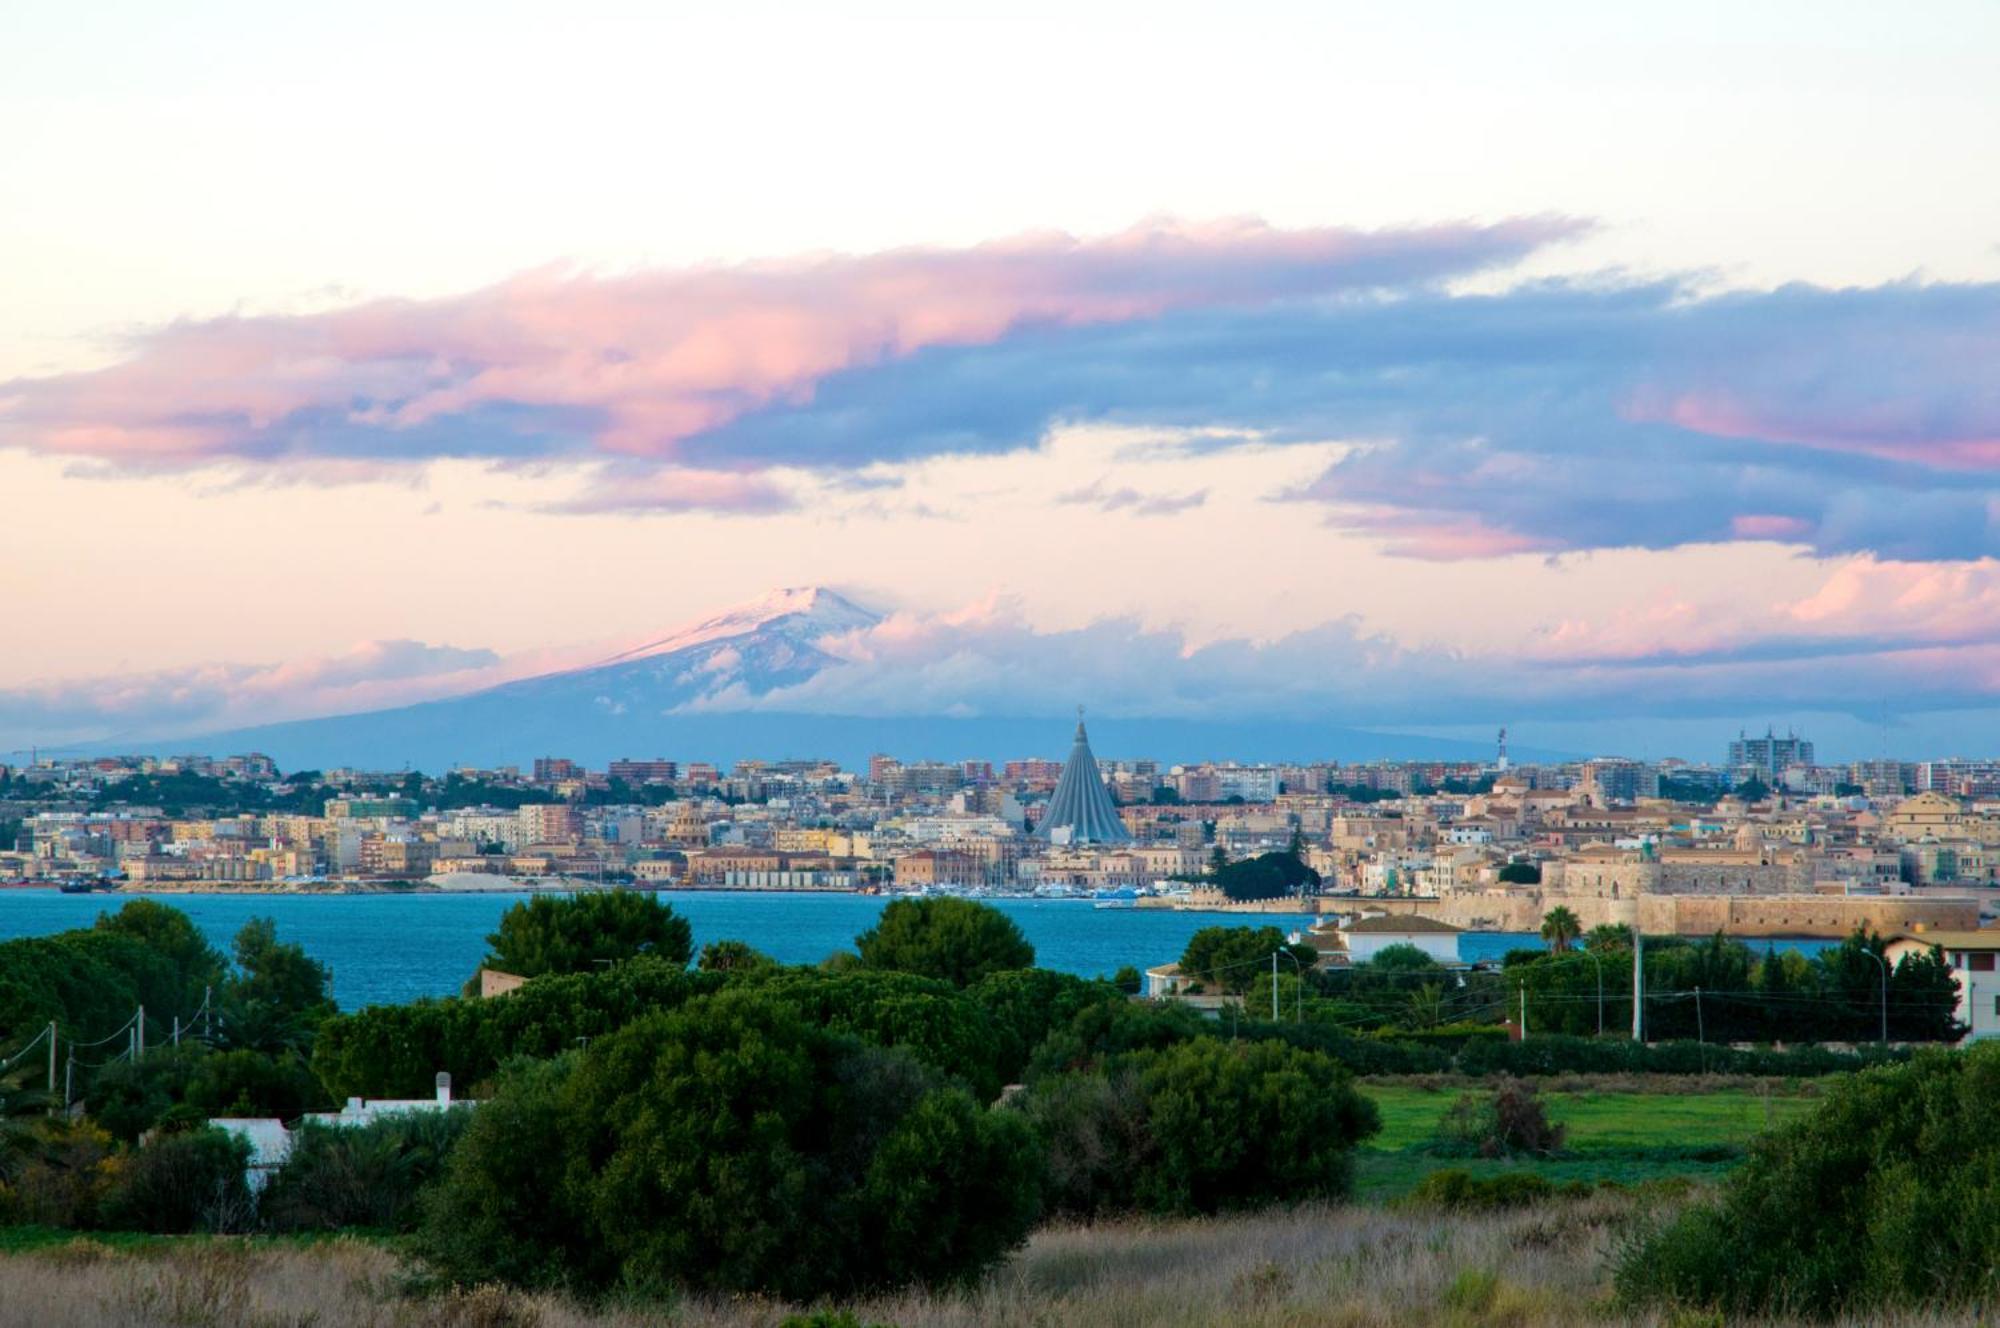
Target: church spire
<point>1081,803</point>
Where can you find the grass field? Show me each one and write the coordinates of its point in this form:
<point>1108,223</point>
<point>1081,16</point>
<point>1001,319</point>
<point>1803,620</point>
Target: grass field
<point>1625,1136</point>
<point>1353,1267</point>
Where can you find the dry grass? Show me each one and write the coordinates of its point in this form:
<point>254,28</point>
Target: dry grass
<point>1341,1268</point>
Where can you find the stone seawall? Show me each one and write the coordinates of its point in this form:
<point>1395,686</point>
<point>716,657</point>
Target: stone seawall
<point>1831,916</point>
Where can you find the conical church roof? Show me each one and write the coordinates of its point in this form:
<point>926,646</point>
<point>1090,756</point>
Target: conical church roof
<point>1081,801</point>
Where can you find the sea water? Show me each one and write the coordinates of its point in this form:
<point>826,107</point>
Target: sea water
<point>391,948</point>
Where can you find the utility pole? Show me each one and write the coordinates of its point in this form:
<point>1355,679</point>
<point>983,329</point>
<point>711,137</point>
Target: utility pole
<point>1274,986</point>
<point>1524,1012</point>
<point>69,1073</point>
<point>1700,1026</point>
<point>177,1030</point>
<point>1638,985</point>
<point>1883,964</point>
<point>207,1004</point>
<point>52,1058</point>
<point>139,1034</point>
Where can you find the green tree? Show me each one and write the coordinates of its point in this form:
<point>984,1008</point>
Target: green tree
<point>396,1050</point>
<point>1199,1126</point>
<point>1026,1005</point>
<point>172,935</point>
<point>1520,873</point>
<point>1266,876</point>
<point>732,957</point>
<point>958,941</point>
<point>371,1176</point>
<point>1231,959</point>
<point>732,1146</point>
<point>1560,928</point>
<point>574,933</point>
<point>1402,957</point>
<point>936,1023</point>
<point>1608,936</point>
<point>277,998</point>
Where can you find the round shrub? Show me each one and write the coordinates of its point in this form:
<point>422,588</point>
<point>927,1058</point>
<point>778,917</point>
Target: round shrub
<point>958,941</point>
<point>733,1146</point>
<point>1200,1126</point>
<point>572,933</point>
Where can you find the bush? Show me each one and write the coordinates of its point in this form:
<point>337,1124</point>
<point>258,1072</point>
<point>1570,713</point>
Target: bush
<point>732,1146</point>
<point>1200,1126</point>
<point>1461,1192</point>
<point>571,933</point>
<point>397,1050</point>
<point>935,1023</point>
<point>1026,1005</point>
<point>1507,1121</point>
<point>361,1176</point>
<point>1884,1196</point>
<point>958,941</point>
<point>1232,959</point>
<point>732,957</point>
<point>501,1212</point>
<point>194,1181</point>
<point>55,1174</point>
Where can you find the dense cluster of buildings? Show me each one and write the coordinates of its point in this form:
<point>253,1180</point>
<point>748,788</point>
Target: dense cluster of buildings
<point>1766,842</point>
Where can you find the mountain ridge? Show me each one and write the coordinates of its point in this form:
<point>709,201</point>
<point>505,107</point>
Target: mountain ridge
<point>682,695</point>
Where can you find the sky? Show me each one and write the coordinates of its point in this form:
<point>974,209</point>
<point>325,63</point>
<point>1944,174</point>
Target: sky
<point>1620,374</point>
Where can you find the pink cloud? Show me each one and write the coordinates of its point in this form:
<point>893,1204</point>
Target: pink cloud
<point>1939,621</point>
<point>1769,526</point>
<point>636,364</point>
<point>1894,431</point>
<point>676,489</point>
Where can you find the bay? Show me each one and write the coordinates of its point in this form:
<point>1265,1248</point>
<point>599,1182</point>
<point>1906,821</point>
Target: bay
<point>392,948</point>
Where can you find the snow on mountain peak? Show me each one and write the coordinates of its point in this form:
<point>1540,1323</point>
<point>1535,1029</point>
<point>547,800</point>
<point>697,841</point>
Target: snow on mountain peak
<point>800,613</point>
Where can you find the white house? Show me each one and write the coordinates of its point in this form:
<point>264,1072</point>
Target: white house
<point>1974,957</point>
<point>271,1143</point>
<point>1359,940</point>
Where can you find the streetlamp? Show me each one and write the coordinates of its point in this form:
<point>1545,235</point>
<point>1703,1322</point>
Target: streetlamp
<point>1300,1012</point>
<point>1585,952</point>
<point>1883,964</point>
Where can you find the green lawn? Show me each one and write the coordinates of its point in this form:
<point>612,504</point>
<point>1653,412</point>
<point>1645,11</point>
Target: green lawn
<point>1612,1136</point>
<point>1599,1121</point>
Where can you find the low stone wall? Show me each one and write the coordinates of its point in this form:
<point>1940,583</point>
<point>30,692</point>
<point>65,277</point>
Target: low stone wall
<point>1831,916</point>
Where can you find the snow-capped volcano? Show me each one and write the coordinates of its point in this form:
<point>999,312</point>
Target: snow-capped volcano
<point>770,642</point>
<point>802,614</point>
<point>692,694</point>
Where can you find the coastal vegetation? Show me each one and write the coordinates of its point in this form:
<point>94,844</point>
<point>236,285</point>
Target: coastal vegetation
<point>576,933</point>
<point>910,1130</point>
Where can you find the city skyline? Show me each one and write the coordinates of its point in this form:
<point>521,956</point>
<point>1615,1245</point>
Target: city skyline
<point>1352,376</point>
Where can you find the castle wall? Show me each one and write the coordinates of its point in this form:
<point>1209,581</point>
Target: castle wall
<point>1790,914</point>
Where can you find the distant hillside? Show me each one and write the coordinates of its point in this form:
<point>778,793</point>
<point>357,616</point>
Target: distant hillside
<point>637,704</point>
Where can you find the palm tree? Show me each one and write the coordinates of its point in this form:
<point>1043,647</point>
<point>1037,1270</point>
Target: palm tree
<point>1559,928</point>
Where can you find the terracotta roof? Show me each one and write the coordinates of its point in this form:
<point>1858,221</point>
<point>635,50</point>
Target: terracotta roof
<point>1398,924</point>
<point>1987,938</point>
